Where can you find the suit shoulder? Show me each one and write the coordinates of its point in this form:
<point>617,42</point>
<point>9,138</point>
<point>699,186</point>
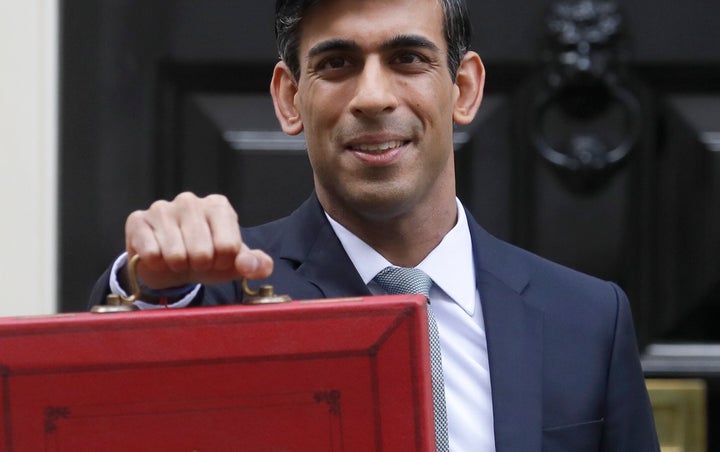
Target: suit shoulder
<point>579,310</point>
<point>543,281</point>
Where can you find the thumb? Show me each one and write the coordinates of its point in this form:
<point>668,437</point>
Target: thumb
<point>253,264</point>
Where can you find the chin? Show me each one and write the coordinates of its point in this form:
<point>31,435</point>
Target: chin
<point>383,207</point>
<point>371,200</point>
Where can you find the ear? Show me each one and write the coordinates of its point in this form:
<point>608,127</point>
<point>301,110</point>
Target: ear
<point>469,86</point>
<point>283,89</point>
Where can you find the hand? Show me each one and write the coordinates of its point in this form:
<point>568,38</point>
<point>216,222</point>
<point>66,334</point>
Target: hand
<point>191,240</point>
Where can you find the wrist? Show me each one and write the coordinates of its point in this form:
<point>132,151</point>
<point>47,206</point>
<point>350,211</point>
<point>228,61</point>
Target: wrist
<point>170,292</point>
<point>164,296</point>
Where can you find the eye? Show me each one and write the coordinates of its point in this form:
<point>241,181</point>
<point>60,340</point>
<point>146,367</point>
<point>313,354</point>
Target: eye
<point>408,58</point>
<point>333,63</point>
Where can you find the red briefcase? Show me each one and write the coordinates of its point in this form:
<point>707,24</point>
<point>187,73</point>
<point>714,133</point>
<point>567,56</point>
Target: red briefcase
<point>301,376</point>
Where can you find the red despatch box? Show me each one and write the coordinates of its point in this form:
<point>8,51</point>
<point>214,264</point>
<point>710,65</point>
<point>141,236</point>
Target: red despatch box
<point>348,375</point>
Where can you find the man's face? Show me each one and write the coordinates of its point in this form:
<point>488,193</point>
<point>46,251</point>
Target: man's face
<point>375,98</point>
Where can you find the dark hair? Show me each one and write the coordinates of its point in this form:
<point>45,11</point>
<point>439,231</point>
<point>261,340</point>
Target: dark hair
<point>289,14</point>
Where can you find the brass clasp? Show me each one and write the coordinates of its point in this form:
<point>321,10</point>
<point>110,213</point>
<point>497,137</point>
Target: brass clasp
<point>264,295</point>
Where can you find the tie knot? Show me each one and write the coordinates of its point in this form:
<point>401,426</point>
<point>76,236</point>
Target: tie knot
<point>403,280</point>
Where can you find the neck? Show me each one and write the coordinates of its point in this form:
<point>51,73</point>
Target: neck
<point>405,239</point>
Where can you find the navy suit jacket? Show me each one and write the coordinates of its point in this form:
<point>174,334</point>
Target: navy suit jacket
<point>564,366</point>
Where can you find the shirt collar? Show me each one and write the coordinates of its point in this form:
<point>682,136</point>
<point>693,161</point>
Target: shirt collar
<point>450,264</point>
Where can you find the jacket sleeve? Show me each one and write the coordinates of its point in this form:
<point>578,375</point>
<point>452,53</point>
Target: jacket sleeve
<point>100,290</point>
<point>629,423</point>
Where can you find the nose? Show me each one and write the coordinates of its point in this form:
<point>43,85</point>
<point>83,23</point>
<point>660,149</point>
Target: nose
<point>374,93</point>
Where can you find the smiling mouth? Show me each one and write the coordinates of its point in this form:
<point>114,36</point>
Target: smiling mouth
<point>378,148</point>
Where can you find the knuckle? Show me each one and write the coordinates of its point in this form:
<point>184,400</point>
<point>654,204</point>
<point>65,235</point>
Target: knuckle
<point>174,256</point>
<point>217,199</point>
<point>177,261</point>
<point>201,260</point>
<point>134,218</point>
<point>184,201</point>
<point>160,205</point>
<point>152,260</point>
<point>186,197</point>
<point>221,204</point>
<point>228,248</point>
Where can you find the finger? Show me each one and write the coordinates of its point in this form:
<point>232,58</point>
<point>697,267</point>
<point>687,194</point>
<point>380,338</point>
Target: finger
<point>139,237</point>
<point>164,217</point>
<point>140,240</point>
<point>253,264</point>
<point>197,238</point>
<point>266,266</point>
<point>225,230</point>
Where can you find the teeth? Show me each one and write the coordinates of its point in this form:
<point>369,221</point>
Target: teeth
<point>381,147</point>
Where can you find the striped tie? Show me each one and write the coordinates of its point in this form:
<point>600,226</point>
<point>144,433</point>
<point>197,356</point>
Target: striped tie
<point>401,280</point>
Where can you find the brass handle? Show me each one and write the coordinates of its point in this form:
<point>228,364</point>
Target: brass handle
<point>120,303</point>
<point>265,294</point>
<point>134,284</point>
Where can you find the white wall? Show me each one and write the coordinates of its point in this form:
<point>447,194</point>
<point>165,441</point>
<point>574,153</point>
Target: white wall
<point>28,156</point>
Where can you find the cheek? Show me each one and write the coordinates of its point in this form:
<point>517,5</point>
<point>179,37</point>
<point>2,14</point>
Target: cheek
<point>430,101</point>
<point>315,161</point>
<point>317,109</point>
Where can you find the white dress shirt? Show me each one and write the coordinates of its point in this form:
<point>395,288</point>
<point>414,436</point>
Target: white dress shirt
<point>456,304</point>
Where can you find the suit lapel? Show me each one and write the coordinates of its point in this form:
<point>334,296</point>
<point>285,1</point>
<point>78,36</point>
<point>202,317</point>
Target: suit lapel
<point>318,253</point>
<point>340,278</point>
<point>514,334</point>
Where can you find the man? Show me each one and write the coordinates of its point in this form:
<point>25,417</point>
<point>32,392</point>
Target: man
<point>535,356</point>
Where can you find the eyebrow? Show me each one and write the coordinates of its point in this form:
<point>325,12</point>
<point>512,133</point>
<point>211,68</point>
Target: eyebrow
<point>397,42</point>
<point>404,41</point>
<point>332,45</point>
